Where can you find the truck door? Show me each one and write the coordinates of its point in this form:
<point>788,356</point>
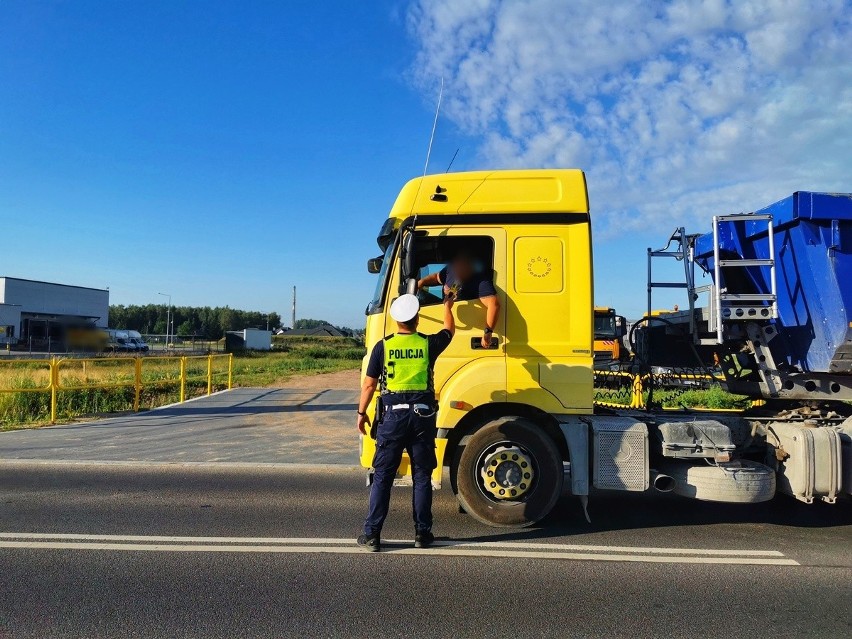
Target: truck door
<point>549,315</point>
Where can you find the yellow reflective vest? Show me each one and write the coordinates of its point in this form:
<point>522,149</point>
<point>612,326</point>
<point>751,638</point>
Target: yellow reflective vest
<point>406,365</point>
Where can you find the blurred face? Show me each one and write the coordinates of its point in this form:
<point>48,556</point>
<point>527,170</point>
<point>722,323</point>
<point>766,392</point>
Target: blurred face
<point>463,267</point>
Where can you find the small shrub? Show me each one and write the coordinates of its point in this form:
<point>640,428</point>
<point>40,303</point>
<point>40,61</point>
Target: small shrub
<point>713,397</point>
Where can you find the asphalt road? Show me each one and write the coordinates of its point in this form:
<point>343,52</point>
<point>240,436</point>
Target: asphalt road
<point>212,551</point>
<point>245,425</point>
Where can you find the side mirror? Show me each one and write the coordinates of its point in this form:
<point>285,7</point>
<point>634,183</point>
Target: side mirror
<point>621,325</point>
<point>409,257</point>
<point>386,234</point>
<point>374,265</point>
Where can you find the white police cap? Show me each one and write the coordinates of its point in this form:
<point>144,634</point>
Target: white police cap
<point>405,308</point>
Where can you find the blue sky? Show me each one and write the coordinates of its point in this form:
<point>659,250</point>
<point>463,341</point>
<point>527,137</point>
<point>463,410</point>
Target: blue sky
<point>223,152</point>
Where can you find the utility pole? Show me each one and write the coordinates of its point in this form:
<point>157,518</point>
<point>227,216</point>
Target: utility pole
<point>168,317</point>
<point>294,307</point>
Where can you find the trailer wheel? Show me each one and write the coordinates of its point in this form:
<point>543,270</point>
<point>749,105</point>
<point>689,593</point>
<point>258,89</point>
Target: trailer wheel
<point>509,474</point>
<point>743,482</point>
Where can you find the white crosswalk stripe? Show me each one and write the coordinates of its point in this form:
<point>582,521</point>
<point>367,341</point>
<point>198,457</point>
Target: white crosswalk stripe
<point>448,548</point>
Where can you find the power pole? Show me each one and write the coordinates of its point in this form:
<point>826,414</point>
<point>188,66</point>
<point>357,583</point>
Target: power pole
<point>168,317</point>
<point>294,308</point>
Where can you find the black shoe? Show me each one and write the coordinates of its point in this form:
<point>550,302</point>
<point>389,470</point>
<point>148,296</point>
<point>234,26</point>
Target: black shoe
<point>423,539</point>
<point>370,543</point>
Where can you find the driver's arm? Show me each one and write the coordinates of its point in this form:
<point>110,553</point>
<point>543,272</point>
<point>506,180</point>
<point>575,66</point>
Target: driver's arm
<point>429,280</point>
<point>492,313</point>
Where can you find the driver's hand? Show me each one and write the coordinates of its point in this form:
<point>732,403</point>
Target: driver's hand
<point>486,340</point>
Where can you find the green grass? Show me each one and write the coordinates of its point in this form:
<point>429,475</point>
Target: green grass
<point>713,397</point>
<point>297,355</point>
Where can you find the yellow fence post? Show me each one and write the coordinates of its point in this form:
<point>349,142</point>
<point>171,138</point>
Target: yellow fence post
<point>183,379</point>
<point>209,374</point>
<point>137,382</point>
<point>54,382</point>
<point>230,370</point>
<point>637,400</point>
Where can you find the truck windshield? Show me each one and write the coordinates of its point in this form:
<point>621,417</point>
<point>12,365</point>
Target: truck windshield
<point>376,304</point>
<point>605,327</point>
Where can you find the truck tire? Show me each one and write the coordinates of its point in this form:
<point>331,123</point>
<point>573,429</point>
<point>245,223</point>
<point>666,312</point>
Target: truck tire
<point>509,473</point>
<point>742,482</point>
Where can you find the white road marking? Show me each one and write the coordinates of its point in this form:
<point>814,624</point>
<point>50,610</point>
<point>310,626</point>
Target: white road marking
<point>331,541</point>
<point>507,549</point>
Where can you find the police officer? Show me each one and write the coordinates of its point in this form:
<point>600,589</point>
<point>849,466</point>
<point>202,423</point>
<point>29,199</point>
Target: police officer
<point>402,364</point>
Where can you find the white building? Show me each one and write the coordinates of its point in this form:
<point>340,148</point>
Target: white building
<point>250,339</point>
<point>42,310</point>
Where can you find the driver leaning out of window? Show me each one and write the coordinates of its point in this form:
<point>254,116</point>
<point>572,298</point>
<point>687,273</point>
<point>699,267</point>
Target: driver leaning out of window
<point>462,281</point>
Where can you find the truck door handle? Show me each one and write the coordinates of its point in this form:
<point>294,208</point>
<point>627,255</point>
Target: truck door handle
<point>476,343</point>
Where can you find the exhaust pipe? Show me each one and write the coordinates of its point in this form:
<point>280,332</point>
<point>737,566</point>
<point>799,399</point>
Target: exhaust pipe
<point>663,483</point>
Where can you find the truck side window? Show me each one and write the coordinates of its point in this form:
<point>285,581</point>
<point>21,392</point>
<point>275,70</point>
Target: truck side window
<point>440,254</point>
<point>430,294</point>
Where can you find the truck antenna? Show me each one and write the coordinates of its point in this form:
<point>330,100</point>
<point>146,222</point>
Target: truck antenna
<point>428,150</point>
<point>449,166</point>
<point>434,126</point>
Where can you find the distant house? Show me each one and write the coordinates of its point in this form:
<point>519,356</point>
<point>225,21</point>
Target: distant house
<point>326,330</point>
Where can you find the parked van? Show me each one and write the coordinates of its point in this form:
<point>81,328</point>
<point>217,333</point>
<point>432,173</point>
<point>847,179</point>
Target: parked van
<point>136,338</point>
<point>119,342</point>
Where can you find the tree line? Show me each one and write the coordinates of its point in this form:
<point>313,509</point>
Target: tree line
<point>201,321</point>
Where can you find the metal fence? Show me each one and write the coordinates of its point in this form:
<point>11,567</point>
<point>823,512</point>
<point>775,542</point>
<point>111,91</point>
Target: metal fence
<point>184,343</point>
<point>630,389</point>
<point>56,374</point>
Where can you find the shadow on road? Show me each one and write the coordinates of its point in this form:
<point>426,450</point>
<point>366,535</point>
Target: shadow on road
<point>611,512</point>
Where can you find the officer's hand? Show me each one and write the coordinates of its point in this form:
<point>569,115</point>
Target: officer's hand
<point>486,340</point>
<point>449,300</point>
<point>362,424</point>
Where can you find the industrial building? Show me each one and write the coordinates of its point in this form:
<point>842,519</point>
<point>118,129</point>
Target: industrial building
<point>40,311</point>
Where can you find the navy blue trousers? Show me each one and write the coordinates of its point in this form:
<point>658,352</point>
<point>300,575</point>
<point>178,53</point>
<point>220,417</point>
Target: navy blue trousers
<point>403,430</point>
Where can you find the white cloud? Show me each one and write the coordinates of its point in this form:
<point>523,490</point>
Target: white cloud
<point>675,109</point>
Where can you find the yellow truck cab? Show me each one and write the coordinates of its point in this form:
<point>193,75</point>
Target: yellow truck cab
<point>609,330</point>
<point>530,230</point>
<point>517,419</point>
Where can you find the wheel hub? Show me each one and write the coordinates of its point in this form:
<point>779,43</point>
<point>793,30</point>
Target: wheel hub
<point>507,473</point>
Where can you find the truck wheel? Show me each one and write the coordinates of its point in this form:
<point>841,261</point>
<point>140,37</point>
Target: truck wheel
<point>744,482</point>
<point>509,474</point>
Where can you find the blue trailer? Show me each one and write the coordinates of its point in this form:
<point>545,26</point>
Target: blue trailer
<point>779,312</point>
